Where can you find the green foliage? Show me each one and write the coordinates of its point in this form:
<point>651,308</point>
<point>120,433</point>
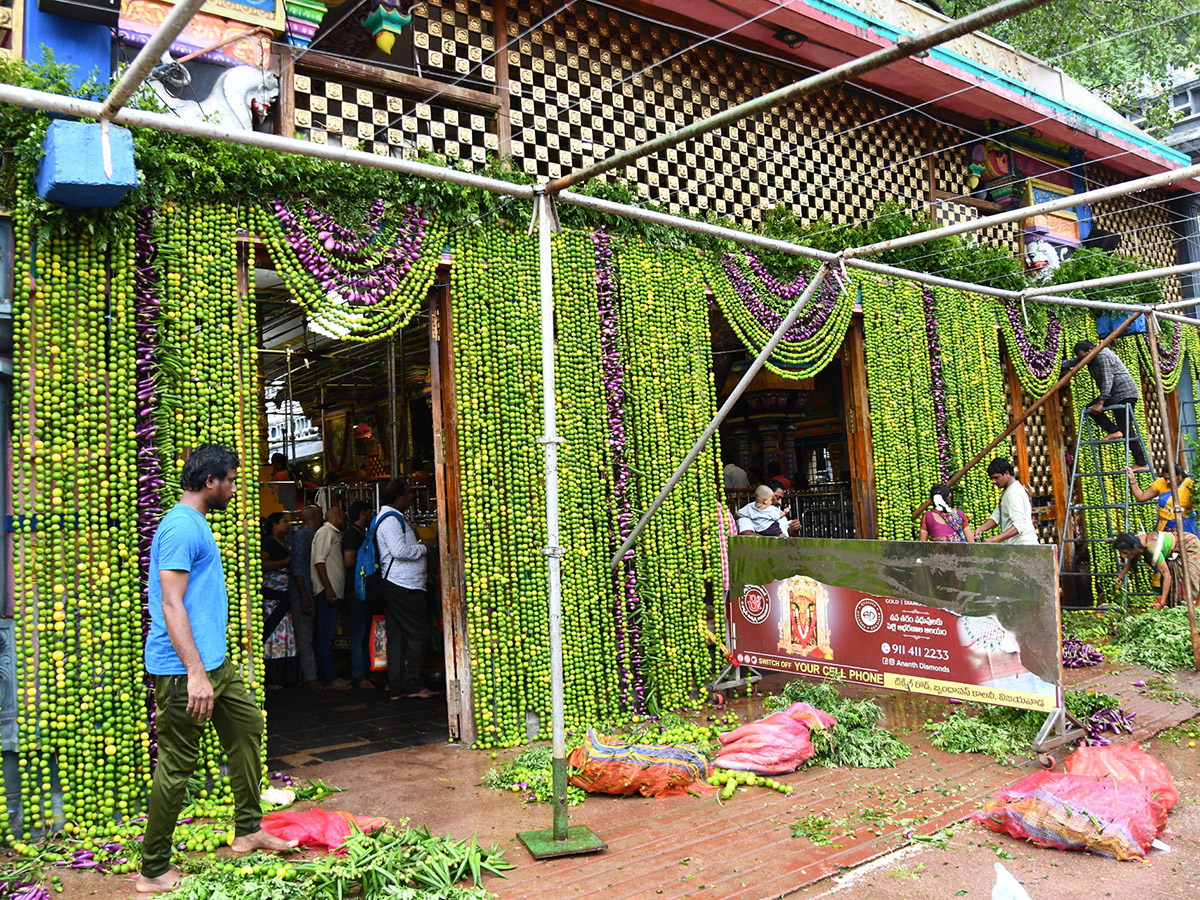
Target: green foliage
<point>1091,627</point>
<point>394,863</point>
<point>1160,640</point>
<point>857,740</point>
<point>1085,264</point>
<point>1125,50</point>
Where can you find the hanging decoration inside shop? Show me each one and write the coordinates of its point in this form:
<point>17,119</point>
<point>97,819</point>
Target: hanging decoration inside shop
<point>755,302</point>
<point>387,21</point>
<point>354,286</point>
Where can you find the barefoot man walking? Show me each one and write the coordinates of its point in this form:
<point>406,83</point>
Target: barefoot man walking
<point>193,681</point>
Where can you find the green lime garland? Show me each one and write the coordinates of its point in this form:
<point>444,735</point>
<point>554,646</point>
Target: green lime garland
<point>78,620</point>
<point>672,399</point>
<point>903,430</point>
<point>792,358</point>
<point>975,411</point>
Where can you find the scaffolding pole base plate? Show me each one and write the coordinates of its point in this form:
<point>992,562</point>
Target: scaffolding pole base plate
<point>580,840</point>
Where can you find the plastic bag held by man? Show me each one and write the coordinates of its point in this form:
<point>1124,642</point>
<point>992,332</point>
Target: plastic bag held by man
<point>1129,762</point>
<point>1077,812</point>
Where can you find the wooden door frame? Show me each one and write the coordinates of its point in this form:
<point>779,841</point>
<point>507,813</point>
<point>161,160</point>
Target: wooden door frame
<point>460,705</point>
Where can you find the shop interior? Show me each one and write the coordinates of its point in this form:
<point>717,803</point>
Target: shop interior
<point>793,428</point>
<point>346,418</point>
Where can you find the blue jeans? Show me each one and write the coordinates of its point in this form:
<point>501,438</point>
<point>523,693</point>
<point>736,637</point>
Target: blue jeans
<point>360,622</point>
<point>327,614</point>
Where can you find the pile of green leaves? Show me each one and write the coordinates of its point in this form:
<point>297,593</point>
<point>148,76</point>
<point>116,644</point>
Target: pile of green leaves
<point>1160,640</point>
<point>1092,626</point>
<point>857,740</point>
<point>531,776</point>
<point>1007,734</point>
<point>397,863</point>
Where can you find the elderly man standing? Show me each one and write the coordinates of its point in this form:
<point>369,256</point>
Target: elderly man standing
<point>328,569</point>
<point>194,681</point>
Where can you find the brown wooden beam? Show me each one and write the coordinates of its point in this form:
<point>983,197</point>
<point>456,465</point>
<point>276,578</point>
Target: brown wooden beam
<point>422,87</point>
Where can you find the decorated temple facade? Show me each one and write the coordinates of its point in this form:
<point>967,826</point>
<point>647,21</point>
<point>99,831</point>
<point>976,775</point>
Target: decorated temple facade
<point>371,329</point>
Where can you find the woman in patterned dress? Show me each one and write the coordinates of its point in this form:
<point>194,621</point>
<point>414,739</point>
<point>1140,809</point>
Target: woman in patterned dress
<point>282,664</point>
<point>1160,551</point>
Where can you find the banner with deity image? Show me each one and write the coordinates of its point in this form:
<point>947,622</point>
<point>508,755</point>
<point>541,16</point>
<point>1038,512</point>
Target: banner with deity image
<point>970,621</point>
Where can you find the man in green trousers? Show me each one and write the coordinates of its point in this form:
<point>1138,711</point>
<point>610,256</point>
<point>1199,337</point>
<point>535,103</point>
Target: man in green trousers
<point>193,681</point>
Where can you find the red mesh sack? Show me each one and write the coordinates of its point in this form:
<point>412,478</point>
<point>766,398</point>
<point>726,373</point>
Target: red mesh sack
<point>317,827</point>
<point>605,765</point>
<point>1130,763</point>
<point>1077,812</point>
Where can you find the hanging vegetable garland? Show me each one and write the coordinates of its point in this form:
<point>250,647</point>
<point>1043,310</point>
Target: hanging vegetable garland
<point>1037,348</point>
<point>671,400</point>
<point>355,286</point>
<point>81,721</point>
<point>900,394</point>
<point>969,355</point>
<point>755,303</point>
<point>207,378</point>
<point>626,600</point>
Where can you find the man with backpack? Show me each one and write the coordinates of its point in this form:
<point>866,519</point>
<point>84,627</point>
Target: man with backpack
<point>401,568</point>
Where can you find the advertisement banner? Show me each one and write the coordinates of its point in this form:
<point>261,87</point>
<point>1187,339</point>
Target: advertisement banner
<point>970,621</point>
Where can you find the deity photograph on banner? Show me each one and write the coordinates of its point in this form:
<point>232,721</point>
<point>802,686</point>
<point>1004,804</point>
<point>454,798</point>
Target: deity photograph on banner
<point>804,630</point>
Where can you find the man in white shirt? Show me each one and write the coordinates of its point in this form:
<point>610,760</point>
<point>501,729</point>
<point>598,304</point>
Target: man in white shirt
<point>406,608</point>
<point>1014,513</point>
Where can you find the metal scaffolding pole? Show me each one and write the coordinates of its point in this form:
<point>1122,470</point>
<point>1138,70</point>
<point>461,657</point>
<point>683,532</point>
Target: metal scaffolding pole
<point>1173,478</point>
<point>148,57</point>
<point>136,118</point>
<point>391,393</point>
<point>1115,280</point>
<point>559,840</point>
<point>903,48</point>
<point>1162,179</point>
<point>759,361</point>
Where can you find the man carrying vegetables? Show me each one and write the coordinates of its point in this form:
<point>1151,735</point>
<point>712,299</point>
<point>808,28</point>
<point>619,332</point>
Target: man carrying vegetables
<point>193,680</point>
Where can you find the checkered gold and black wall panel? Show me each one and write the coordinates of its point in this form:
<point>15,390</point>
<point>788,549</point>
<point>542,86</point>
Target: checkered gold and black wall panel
<point>389,123</point>
<point>1155,434</point>
<point>455,40</point>
<point>1144,221</point>
<point>950,148</point>
<point>592,81</point>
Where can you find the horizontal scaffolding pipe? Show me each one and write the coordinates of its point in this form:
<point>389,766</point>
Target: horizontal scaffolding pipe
<point>1162,179</point>
<point>905,47</point>
<point>148,57</point>
<point>1182,320</point>
<point>1116,280</point>
<point>1177,304</point>
<point>136,118</point>
<point>596,204</point>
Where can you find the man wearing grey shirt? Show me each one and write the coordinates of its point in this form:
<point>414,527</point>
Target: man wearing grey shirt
<point>405,606</point>
<point>1014,513</point>
<point>1118,391</point>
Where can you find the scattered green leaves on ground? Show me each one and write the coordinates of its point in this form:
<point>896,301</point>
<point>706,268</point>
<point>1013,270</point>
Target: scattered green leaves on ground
<point>815,828</point>
<point>1160,640</point>
<point>397,863</point>
<point>857,740</point>
<point>530,775</point>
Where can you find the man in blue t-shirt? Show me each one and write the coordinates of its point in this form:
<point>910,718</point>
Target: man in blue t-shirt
<point>193,681</point>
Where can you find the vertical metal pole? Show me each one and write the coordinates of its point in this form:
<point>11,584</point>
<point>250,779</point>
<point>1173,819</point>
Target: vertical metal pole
<point>1152,340</point>
<point>553,551</point>
<point>391,379</point>
<point>324,446</point>
<point>289,438</point>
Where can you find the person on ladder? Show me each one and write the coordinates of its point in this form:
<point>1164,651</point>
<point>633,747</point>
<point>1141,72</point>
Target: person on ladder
<point>1118,391</point>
